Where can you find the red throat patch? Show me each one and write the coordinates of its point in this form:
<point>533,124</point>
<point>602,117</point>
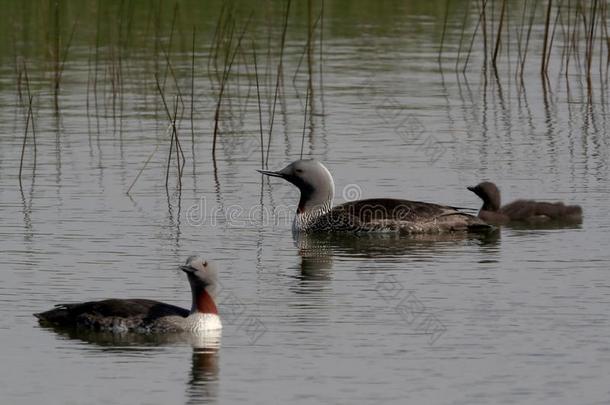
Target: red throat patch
<point>205,303</point>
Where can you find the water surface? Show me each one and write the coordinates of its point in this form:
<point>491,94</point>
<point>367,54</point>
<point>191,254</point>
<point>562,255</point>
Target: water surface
<point>518,318</point>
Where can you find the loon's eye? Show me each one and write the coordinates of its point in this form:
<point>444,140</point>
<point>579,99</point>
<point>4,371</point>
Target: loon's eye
<point>299,171</point>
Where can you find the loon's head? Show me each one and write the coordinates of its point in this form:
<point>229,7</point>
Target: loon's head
<point>201,273</point>
<point>489,193</point>
<point>313,180</point>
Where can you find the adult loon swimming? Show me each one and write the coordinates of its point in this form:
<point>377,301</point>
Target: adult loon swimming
<point>146,316</point>
<point>522,210</point>
<point>315,212</point>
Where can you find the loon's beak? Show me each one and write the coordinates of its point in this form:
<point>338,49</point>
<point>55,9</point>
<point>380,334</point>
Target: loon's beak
<point>472,188</point>
<point>188,269</point>
<point>271,173</point>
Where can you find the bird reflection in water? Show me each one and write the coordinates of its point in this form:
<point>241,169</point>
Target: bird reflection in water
<point>318,250</point>
<point>202,381</point>
<point>316,259</point>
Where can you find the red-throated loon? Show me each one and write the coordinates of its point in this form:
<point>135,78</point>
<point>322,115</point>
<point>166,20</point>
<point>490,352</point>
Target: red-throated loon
<point>146,316</point>
<point>522,210</point>
<point>315,212</point>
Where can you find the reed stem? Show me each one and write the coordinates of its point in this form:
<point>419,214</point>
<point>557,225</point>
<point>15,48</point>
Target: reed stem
<point>278,79</point>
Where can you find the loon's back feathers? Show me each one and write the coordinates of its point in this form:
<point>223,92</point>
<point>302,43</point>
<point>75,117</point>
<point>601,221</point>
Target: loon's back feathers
<point>93,312</point>
<point>395,215</point>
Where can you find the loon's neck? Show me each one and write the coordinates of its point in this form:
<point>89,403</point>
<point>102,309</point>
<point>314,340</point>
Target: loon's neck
<point>203,302</point>
<point>305,217</point>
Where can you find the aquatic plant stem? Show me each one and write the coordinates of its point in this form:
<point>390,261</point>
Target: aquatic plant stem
<point>260,112</point>
<point>278,79</point>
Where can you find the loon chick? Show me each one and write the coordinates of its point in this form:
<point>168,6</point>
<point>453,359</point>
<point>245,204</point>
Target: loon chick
<point>315,212</point>
<point>145,316</point>
<point>522,210</point>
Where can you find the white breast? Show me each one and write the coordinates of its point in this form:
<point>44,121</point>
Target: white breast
<point>199,322</point>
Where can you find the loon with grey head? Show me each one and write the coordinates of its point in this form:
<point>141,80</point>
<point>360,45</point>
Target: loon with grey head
<point>146,316</point>
<point>528,211</point>
<point>315,212</point>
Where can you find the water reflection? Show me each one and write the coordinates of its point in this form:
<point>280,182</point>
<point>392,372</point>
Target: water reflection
<point>202,382</point>
<point>314,280</point>
<point>209,340</point>
<point>500,298</point>
<point>317,250</point>
<point>174,208</point>
<point>26,202</point>
<point>316,268</point>
<point>542,226</point>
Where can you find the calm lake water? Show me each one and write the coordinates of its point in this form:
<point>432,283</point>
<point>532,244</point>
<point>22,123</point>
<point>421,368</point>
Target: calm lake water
<point>523,317</point>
